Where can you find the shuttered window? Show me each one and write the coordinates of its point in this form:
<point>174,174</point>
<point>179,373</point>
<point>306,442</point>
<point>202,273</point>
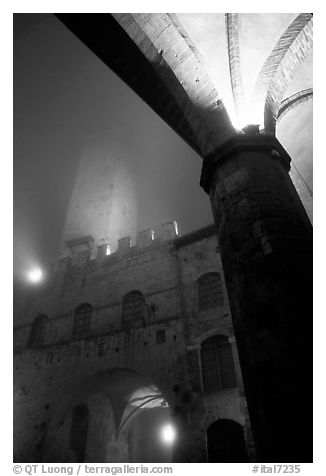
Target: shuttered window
<point>210,292</point>
<point>133,309</point>
<point>217,364</point>
<point>82,321</point>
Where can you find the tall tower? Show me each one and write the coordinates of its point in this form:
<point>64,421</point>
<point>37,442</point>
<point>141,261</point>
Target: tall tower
<point>103,205</point>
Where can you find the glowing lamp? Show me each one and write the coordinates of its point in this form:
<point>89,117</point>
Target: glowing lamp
<point>168,434</point>
<point>35,275</point>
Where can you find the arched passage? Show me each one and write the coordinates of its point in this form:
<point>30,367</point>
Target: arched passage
<point>116,415</point>
<point>226,442</point>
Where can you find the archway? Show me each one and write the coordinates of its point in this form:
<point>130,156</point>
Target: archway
<point>116,415</point>
<point>226,442</point>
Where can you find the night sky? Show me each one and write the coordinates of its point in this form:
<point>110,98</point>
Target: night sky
<point>62,94</point>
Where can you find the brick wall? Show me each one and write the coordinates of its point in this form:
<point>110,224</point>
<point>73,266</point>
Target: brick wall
<point>166,272</point>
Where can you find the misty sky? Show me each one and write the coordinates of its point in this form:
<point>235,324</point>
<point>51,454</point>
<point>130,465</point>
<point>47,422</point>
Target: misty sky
<point>62,94</point>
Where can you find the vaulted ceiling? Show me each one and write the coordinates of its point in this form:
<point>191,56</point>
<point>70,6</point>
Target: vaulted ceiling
<point>208,75</point>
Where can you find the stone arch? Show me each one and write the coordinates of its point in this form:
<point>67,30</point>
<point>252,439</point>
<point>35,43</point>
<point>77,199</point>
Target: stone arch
<point>226,442</point>
<point>212,332</point>
<point>221,330</point>
<point>133,309</point>
<point>210,269</point>
<point>217,364</point>
<point>120,401</point>
<point>171,75</point>
<point>233,45</point>
<point>291,50</point>
<point>293,101</point>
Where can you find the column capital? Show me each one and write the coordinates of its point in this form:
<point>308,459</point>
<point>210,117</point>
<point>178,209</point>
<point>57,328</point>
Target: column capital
<point>238,143</point>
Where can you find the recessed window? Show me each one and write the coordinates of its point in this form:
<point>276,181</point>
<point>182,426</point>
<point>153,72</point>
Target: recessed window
<point>101,350</point>
<point>217,364</point>
<point>133,309</point>
<point>38,329</point>
<point>79,431</point>
<point>160,336</point>
<point>82,321</point>
<point>210,292</point>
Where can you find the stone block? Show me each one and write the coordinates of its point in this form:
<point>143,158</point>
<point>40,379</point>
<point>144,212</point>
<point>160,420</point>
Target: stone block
<point>169,231</point>
<point>124,244</point>
<point>145,238</point>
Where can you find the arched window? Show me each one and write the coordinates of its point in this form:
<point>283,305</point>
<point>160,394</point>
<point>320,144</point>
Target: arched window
<point>82,321</point>
<point>217,364</point>
<point>210,292</point>
<point>36,337</point>
<point>78,431</point>
<point>226,442</point>
<point>133,309</point>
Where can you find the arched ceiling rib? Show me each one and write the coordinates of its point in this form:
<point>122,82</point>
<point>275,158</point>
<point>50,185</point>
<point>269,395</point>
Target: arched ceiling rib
<point>231,23</point>
<point>157,60</point>
<point>154,55</point>
<point>180,63</point>
<point>102,34</point>
<point>293,101</point>
<point>292,49</point>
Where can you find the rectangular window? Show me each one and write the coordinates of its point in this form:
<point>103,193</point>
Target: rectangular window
<point>82,321</point>
<point>160,336</point>
<point>101,351</point>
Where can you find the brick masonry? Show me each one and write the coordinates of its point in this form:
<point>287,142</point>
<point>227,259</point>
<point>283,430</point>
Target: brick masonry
<point>46,378</point>
<point>265,239</point>
<point>292,49</point>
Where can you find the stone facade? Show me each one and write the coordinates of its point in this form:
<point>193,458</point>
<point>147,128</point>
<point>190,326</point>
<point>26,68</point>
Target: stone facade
<point>113,361</point>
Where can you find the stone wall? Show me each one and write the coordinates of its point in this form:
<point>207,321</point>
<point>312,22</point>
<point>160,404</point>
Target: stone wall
<point>53,377</point>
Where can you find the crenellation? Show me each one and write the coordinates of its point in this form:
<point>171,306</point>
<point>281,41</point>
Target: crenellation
<point>124,244</point>
<point>169,231</point>
<point>80,245</point>
<point>101,253</point>
<point>166,233</point>
<point>145,239</point>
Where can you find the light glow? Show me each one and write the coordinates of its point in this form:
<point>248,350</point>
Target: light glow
<point>253,114</point>
<point>35,275</point>
<point>168,434</point>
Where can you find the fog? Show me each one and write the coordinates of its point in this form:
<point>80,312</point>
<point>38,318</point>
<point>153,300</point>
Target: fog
<point>62,95</point>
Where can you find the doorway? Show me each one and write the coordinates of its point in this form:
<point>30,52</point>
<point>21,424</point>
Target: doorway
<point>226,442</point>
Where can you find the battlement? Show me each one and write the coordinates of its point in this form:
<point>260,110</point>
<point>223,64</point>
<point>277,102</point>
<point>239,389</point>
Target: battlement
<point>82,248</point>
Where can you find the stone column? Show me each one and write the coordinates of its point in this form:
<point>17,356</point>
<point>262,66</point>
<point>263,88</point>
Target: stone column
<point>265,239</point>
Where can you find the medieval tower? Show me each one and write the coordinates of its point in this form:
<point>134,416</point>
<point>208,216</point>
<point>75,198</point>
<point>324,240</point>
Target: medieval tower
<point>103,206</point>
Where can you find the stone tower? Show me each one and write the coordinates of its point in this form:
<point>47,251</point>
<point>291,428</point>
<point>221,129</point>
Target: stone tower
<point>103,206</point>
